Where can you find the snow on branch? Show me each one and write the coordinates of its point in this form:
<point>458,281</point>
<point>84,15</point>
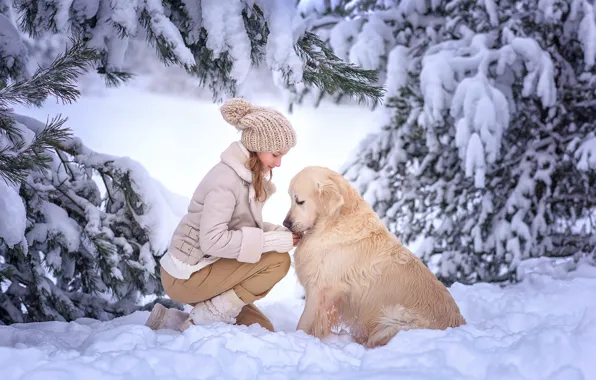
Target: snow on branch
<point>74,252</point>
<point>479,109</point>
<point>218,42</point>
<point>586,154</point>
<point>21,149</point>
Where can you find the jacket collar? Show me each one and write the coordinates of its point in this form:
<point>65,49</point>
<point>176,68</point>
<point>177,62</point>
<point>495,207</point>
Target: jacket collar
<point>235,156</point>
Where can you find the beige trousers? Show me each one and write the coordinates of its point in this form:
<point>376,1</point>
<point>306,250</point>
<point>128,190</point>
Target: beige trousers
<point>251,282</point>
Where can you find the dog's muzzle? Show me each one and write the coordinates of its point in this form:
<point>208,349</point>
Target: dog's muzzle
<point>288,224</point>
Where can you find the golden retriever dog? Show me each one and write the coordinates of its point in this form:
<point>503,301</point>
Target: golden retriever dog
<point>355,273</point>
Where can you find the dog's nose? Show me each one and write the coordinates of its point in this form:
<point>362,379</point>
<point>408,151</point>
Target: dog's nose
<point>287,224</point>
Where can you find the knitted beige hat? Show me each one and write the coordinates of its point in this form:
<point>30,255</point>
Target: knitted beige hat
<point>263,129</point>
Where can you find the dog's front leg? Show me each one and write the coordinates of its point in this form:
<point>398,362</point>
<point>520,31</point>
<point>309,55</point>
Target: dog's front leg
<point>321,312</point>
<point>308,315</point>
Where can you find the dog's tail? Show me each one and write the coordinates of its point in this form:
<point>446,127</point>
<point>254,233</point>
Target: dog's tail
<point>398,318</point>
<point>393,320</point>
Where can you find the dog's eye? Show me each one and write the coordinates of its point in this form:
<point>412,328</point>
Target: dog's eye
<point>299,202</point>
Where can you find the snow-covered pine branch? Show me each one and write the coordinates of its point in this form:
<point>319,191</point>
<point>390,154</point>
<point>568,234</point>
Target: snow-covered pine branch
<point>69,251</point>
<point>218,42</point>
<point>20,149</point>
<point>486,153</point>
<point>66,251</point>
<point>13,53</point>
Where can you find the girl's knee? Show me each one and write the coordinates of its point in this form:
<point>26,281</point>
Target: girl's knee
<point>286,262</point>
<point>277,262</point>
<point>175,289</point>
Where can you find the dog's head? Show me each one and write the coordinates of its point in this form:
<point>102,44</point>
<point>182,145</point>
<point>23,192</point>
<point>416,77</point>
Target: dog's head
<point>315,192</point>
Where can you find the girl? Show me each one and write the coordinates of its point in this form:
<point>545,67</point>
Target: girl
<point>222,256</point>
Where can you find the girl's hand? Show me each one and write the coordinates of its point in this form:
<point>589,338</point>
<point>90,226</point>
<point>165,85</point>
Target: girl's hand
<point>296,237</point>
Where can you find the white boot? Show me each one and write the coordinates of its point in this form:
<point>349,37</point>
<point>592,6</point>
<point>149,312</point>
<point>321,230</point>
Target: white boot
<point>222,308</point>
<point>164,318</point>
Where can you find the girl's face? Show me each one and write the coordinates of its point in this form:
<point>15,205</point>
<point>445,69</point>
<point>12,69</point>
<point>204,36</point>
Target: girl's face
<point>271,160</point>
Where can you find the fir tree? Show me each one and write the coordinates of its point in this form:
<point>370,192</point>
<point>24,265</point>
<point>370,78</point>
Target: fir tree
<point>66,251</point>
<point>487,154</point>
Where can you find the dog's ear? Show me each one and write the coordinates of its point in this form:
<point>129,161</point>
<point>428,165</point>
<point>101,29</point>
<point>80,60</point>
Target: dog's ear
<point>329,196</point>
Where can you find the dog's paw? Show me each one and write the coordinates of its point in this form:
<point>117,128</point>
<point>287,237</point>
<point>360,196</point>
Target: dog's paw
<point>342,338</point>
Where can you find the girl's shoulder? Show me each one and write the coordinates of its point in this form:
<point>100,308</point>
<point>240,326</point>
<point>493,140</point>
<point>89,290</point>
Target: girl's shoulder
<point>222,177</point>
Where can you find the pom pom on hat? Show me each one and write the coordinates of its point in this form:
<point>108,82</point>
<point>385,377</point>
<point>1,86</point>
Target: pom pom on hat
<point>234,110</point>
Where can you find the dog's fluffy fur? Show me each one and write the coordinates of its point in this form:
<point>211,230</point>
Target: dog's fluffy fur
<point>357,274</point>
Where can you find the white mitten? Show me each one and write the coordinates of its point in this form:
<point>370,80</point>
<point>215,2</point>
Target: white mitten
<point>278,241</point>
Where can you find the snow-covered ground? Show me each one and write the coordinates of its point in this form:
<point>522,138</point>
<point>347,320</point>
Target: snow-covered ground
<point>543,328</point>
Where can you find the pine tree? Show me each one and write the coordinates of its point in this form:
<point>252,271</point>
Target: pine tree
<point>65,250</point>
<point>488,153</point>
<point>218,42</point>
<point>82,254</point>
